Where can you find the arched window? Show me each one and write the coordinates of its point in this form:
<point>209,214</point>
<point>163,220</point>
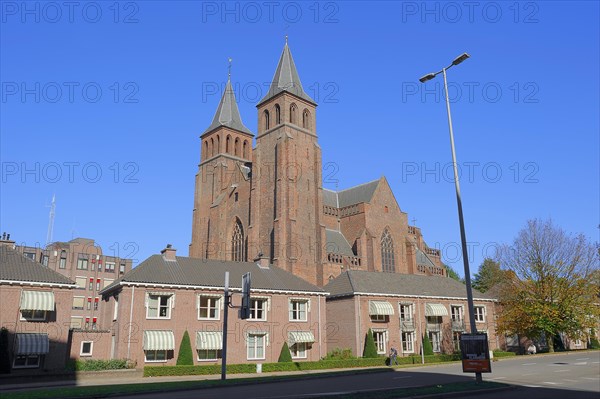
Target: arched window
<point>236,147</point>
<point>218,150</point>
<point>293,110</point>
<point>266,120</point>
<point>206,153</point>
<point>388,263</point>
<point>277,114</point>
<point>245,149</point>
<point>212,147</point>
<point>237,242</point>
<point>306,119</point>
<point>228,144</point>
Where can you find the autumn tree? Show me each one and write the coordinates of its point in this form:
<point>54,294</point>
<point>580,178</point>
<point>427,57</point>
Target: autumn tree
<point>553,286</point>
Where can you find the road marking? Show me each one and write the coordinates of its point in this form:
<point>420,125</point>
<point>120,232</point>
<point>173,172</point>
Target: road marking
<point>528,364</point>
<point>551,383</point>
<point>595,362</point>
<point>532,386</point>
<point>590,378</point>
<point>560,371</point>
<point>565,379</point>
<point>584,358</point>
<point>498,378</point>
<point>530,374</point>
<point>580,363</point>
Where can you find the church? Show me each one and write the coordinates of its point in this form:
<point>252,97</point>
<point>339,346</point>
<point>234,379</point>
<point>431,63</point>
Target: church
<point>260,196</point>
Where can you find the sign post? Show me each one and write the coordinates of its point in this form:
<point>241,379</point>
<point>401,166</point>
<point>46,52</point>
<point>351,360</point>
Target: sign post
<point>225,317</point>
<point>475,353</point>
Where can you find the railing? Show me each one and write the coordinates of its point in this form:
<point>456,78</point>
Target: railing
<point>432,252</point>
<point>343,259</point>
<point>458,325</point>
<point>407,325</point>
<point>434,327</point>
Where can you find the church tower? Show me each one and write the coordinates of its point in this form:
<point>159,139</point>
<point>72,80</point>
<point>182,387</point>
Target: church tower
<point>287,198</point>
<point>222,191</point>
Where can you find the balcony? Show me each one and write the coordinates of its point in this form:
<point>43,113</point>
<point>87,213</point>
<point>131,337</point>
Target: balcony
<point>458,325</point>
<point>434,327</point>
<point>407,325</point>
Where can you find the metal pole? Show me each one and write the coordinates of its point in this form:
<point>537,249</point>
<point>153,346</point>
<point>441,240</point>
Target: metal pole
<point>225,317</point>
<point>463,236</point>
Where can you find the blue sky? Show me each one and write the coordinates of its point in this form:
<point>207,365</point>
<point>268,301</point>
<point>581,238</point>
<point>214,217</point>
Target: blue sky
<point>102,105</point>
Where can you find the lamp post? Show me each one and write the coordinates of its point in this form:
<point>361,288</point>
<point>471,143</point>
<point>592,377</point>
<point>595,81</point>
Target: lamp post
<point>463,237</point>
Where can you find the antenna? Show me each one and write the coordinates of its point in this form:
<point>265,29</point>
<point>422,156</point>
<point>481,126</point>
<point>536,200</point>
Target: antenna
<point>51,221</point>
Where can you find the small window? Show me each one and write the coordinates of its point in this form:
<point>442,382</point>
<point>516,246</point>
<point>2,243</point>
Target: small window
<point>82,262</point>
<point>159,307</point>
<point>479,314</point>
<point>256,346</point>
<point>277,114</point>
<point>267,122</point>
<point>457,313</point>
<point>406,313</point>
<point>408,342</point>
<point>379,318</point>
<point>380,338</point>
<point>96,302</point>
<point>208,354</point>
<point>298,309</point>
<point>434,337</point>
<point>45,260</point>
<point>27,361</point>
<point>298,350</point>
<point>30,255</point>
<point>456,340</point>
<point>62,264</point>
<point>122,268</point>
<point>33,315</point>
<point>208,308</point>
<point>110,267</point>
<point>78,302</point>
<point>258,309</point>
<point>86,348</point>
<point>81,282</point>
<point>156,356</point>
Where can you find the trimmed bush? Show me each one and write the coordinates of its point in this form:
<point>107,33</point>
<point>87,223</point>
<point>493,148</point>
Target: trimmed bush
<point>285,355</point>
<point>370,350</point>
<point>99,365</point>
<point>339,353</point>
<point>498,353</point>
<point>427,347</point>
<point>185,356</point>
<point>159,371</point>
<point>4,360</point>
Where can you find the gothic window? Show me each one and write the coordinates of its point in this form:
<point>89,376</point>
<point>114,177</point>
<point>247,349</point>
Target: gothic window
<point>387,252</point>
<point>236,147</point>
<point>218,144</point>
<point>212,147</point>
<point>293,109</point>
<point>266,120</point>
<point>245,149</point>
<point>228,144</point>
<point>206,154</point>
<point>277,114</point>
<point>237,243</point>
<point>306,119</point>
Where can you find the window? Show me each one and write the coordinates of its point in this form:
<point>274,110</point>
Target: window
<point>456,340</point>
<point>76,322</point>
<point>159,307</point>
<point>245,149</point>
<point>27,361</point>
<point>408,340</point>
<point>388,263</point>
<point>266,117</point>
<point>434,337</point>
<point>293,109</point>
<point>406,313</point>
<point>457,313</point>
<point>306,119</point>
<point>298,350</point>
<point>208,307</point>
<point>87,323</point>
<point>122,268</point>
<point>89,304</point>
<point>62,264</point>
<point>298,309</point>
<point>96,302</point>
<point>258,309</point>
<point>236,147</point>
<point>45,260</point>
<point>78,302</point>
<point>237,242</point>
<point>33,315</point>
<point>94,323</point>
<point>80,281</point>
<point>479,314</point>
<point>30,255</point>
<point>98,284</point>
<point>209,354</point>
<point>379,317</point>
<point>156,356</point>
<point>228,144</point>
<point>277,114</point>
<point>110,267</point>
<point>100,265</point>
<point>256,346</point>
<point>380,338</point>
<point>86,348</point>
<point>91,285</point>
<point>82,262</point>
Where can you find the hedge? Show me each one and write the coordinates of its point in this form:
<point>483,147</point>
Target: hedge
<point>158,371</point>
<point>503,354</point>
<point>99,365</point>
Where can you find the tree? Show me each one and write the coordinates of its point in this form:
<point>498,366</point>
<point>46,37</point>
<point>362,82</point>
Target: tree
<point>553,286</point>
<point>488,276</point>
<point>285,355</point>
<point>427,347</point>
<point>370,349</point>
<point>4,360</point>
<point>452,273</point>
<point>185,356</point>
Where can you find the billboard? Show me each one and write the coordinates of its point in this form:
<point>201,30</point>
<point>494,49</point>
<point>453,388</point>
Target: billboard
<point>475,353</point>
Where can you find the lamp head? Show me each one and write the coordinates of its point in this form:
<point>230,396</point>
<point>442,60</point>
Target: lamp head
<point>427,77</point>
<point>460,58</point>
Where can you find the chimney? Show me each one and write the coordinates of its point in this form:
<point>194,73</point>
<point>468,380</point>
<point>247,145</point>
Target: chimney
<point>262,261</point>
<point>169,253</point>
<point>5,240</point>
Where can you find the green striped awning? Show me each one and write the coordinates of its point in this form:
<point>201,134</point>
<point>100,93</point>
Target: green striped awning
<point>380,308</point>
<point>212,340</point>
<point>37,300</point>
<point>32,344</point>
<point>300,336</point>
<point>435,309</point>
<point>159,340</point>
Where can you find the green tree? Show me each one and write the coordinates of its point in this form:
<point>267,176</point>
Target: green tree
<point>185,356</point>
<point>427,347</point>
<point>553,285</point>
<point>370,349</point>
<point>285,355</point>
<point>4,360</point>
<point>488,276</point>
<point>452,273</point>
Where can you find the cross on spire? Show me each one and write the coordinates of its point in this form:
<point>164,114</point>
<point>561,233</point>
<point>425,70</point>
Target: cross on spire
<point>413,221</point>
<point>229,68</point>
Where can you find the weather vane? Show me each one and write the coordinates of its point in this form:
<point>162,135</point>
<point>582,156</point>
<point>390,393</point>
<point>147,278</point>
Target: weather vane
<point>229,67</point>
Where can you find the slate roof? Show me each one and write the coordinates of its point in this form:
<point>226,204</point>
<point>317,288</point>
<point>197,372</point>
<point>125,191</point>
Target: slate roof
<point>211,273</point>
<point>228,113</point>
<point>357,281</point>
<point>14,266</point>
<point>423,259</point>
<point>337,243</point>
<point>286,79</point>
<point>350,196</point>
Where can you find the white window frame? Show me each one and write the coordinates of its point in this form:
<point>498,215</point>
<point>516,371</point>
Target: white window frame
<point>461,312</point>
<point>155,352</point>
<point>253,309</point>
<point>299,350</point>
<point>293,311</point>
<point>436,344</point>
<point>218,355</point>
<point>33,318</point>
<point>158,316</point>
<point>81,263</point>
<point>456,342</point>
<point>85,282</point>
<point>379,318</point>
<point>62,262</point>
<point>217,307</point>
<point>84,354</point>
<point>408,342</point>
<point>26,366</point>
<point>109,267</point>
<point>81,324</point>
<point>380,338</point>
<point>408,312</point>
<point>72,305</point>
<point>260,337</point>
<point>478,314</point>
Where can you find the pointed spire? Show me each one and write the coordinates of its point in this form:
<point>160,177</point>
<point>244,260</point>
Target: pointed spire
<point>228,113</point>
<point>286,78</point>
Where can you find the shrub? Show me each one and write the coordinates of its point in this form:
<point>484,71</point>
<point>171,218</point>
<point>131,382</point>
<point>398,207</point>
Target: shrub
<point>185,356</point>
<point>427,347</point>
<point>339,353</point>
<point>99,365</point>
<point>370,350</point>
<point>499,353</point>
<point>4,360</point>
<point>285,356</point>
<point>594,344</point>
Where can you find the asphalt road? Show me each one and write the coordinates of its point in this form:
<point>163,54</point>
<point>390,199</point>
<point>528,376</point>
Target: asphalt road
<point>564,376</point>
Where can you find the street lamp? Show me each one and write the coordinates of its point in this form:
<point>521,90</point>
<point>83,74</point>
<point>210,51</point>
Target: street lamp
<point>463,237</point>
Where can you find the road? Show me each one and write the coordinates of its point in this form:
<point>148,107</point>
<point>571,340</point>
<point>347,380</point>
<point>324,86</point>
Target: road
<point>571,375</point>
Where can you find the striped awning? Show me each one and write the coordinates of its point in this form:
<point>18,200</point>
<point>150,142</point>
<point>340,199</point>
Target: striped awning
<point>37,300</point>
<point>300,337</point>
<point>209,340</point>
<point>159,340</point>
<point>380,308</point>
<point>435,309</point>
<point>32,344</point>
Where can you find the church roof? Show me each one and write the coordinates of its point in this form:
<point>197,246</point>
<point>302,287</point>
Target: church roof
<point>228,113</point>
<point>286,79</point>
<point>14,266</point>
<point>354,282</point>
<point>188,272</point>
<point>350,196</point>
<point>423,259</point>
<point>337,243</point>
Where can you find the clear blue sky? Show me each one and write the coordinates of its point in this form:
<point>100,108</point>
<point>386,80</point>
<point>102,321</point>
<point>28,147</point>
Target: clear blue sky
<point>525,109</point>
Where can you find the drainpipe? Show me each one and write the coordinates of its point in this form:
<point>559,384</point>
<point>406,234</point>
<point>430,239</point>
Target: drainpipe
<point>130,323</point>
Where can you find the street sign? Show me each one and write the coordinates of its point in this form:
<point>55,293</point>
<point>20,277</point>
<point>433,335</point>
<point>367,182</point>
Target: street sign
<point>246,284</point>
<point>475,353</point>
